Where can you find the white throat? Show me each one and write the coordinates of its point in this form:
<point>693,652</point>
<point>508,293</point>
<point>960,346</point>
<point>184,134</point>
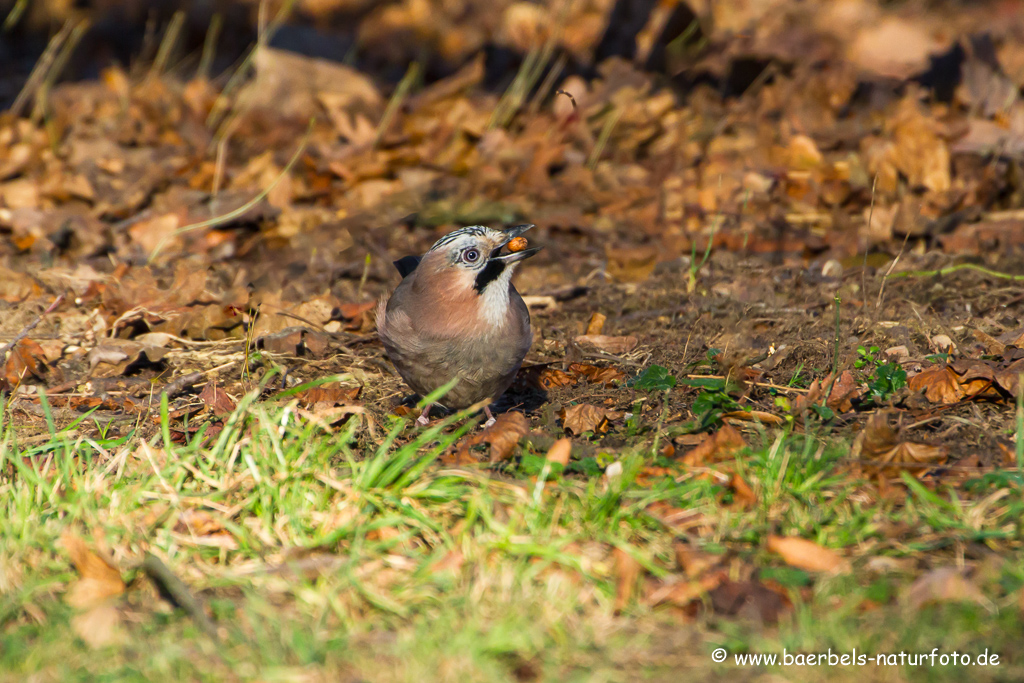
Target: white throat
<point>494,300</point>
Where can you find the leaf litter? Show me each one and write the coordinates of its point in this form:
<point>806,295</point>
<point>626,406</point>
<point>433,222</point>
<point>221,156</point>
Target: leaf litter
<point>690,234</point>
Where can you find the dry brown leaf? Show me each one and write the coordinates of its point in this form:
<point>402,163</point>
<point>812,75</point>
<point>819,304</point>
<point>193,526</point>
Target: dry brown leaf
<point>1008,378</point>
<point>98,580</point>
<point>627,571</point>
<point>751,599</point>
<point>583,417</point>
<point>595,374</point>
<point>15,287</point>
<point>217,402</point>
<point>807,555</point>
<point>844,391</point>
<point>743,495</point>
<point>560,452</point>
<point>334,394</point>
<point>613,345</point>
<point>945,584</point>
<point>879,442</point>
<point>543,377</point>
<point>939,384</point>
<point>26,358</point>
<point>502,436</point>
<point>723,444</point>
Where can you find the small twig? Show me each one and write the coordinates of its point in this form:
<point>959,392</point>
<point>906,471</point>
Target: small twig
<point>764,385</point>
<point>835,354</point>
<point>209,46</point>
<point>31,326</point>
<point>610,120</point>
<point>952,269</point>
<point>41,69</point>
<point>881,290</point>
<point>184,382</point>
<point>163,53</point>
<point>572,99</point>
<point>864,270</point>
<point>231,215</point>
<point>175,590</point>
<point>397,98</point>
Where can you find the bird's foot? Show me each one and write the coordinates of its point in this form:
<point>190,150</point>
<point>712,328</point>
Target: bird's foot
<point>424,419</point>
<point>490,417</point>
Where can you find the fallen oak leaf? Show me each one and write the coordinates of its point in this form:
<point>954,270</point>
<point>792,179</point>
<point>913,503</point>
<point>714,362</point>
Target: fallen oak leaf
<point>807,555</point>
<point>583,417</point>
<point>724,443</point>
<point>878,441</point>
<point>502,437</point>
<point>27,357</point>
<point>543,377</point>
<point>595,374</point>
<point>216,401</point>
<point>845,390</point>
<point>333,393</point>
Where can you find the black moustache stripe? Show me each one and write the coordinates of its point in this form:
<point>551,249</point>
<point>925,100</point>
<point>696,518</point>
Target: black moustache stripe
<point>490,273</point>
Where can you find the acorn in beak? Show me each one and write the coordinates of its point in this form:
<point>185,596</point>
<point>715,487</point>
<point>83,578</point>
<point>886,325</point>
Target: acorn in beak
<point>514,255</point>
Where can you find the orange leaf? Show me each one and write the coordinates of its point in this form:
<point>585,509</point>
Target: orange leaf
<point>98,580</point>
<point>807,555</point>
<point>724,443</point>
<point>627,571</point>
<point>939,384</point>
<point>560,452</point>
<point>502,437</point>
<point>595,374</point>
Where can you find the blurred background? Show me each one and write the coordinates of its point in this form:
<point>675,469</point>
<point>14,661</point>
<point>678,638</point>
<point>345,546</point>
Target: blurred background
<point>335,135</point>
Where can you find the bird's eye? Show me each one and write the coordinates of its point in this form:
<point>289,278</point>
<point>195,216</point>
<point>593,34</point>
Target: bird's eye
<point>471,255</point>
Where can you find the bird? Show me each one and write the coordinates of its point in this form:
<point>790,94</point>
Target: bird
<point>457,315</point>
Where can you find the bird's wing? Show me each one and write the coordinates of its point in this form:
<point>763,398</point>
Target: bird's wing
<point>407,264</point>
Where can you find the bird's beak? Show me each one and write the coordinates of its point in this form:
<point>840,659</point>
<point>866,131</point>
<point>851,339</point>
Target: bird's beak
<point>516,231</point>
<point>515,256</point>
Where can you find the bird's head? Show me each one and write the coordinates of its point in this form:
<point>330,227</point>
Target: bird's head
<point>471,258</point>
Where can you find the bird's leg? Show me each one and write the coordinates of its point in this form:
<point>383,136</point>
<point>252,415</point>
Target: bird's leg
<point>424,419</point>
<point>490,417</point>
